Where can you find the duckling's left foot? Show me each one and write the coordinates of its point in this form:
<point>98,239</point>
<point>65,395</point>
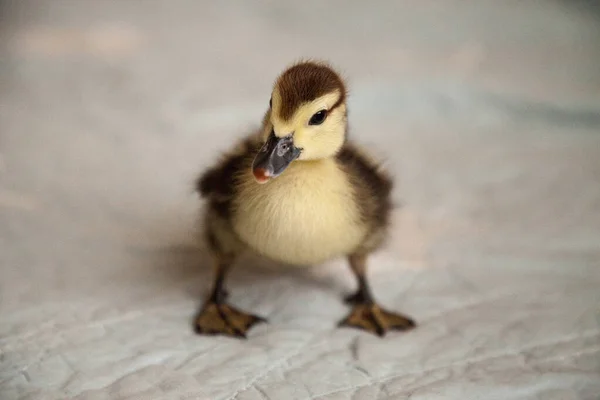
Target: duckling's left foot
<point>372,318</point>
<point>366,313</point>
<point>223,319</point>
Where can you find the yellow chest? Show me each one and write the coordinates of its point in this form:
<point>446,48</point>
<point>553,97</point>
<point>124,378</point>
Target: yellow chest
<point>305,216</point>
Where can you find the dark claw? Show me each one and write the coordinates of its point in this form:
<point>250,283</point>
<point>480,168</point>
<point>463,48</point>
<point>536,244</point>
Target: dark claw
<point>240,334</point>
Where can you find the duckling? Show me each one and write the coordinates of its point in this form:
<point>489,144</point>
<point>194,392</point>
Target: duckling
<point>298,192</point>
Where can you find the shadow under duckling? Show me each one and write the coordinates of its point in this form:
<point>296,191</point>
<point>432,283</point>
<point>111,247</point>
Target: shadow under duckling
<point>298,192</point>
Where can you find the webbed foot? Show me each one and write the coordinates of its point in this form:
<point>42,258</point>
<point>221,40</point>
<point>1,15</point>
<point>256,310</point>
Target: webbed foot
<point>374,319</point>
<point>223,319</point>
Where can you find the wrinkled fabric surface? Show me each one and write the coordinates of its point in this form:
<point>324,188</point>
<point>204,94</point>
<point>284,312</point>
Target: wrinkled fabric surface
<point>488,116</point>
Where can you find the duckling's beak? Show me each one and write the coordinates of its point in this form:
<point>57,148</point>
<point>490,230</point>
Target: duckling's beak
<point>274,157</point>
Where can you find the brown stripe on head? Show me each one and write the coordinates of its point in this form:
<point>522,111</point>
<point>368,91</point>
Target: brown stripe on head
<point>305,82</point>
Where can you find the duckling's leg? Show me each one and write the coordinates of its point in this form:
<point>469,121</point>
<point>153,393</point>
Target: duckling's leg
<point>366,313</point>
<point>216,317</point>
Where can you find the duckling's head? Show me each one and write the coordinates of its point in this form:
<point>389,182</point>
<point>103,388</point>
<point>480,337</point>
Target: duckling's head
<point>306,119</point>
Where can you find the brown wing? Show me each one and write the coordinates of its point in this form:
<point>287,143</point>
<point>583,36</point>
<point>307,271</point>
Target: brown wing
<point>218,183</point>
<point>372,186</point>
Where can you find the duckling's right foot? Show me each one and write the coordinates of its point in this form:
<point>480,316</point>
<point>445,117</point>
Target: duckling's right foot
<point>223,319</point>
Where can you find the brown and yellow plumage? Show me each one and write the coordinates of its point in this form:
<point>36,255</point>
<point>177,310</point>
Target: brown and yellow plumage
<point>298,192</point>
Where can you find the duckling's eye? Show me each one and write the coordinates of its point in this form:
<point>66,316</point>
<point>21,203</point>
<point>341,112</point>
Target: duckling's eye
<point>271,102</point>
<point>318,118</point>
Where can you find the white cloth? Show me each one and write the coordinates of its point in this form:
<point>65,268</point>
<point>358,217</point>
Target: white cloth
<point>488,116</point>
